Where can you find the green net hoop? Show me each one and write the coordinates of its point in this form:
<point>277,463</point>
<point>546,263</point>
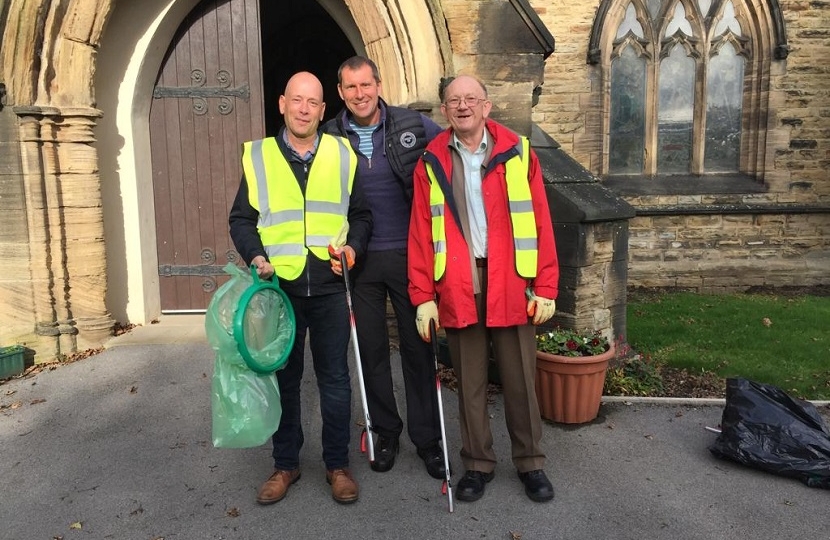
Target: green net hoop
<point>264,325</point>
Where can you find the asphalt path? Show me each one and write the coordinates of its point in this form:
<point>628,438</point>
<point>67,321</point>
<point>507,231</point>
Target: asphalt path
<point>118,446</point>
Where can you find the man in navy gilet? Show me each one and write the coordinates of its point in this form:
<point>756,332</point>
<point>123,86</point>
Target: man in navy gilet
<point>388,141</point>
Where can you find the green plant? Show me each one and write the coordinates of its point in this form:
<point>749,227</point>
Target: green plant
<point>568,342</point>
<point>634,376</point>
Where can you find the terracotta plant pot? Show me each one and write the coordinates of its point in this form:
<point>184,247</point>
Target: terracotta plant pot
<point>569,388</point>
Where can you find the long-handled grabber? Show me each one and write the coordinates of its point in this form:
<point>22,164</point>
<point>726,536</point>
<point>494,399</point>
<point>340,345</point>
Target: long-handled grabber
<point>366,443</point>
<point>447,485</point>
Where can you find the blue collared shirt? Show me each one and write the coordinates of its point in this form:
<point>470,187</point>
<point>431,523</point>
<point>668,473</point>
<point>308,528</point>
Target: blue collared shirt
<point>472,190</point>
<point>308,155</point>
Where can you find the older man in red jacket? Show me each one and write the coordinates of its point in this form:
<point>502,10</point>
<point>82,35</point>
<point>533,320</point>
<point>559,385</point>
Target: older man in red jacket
<point>482,261</point>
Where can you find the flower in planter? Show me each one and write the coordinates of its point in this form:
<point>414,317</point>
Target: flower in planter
<point>568,342</point>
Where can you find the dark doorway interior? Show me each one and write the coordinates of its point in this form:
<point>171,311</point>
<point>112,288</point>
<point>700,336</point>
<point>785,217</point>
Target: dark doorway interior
<point>299,35</point>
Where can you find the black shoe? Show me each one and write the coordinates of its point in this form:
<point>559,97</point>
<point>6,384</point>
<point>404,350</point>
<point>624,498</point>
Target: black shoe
<point>433,457</point>
<point>471,486</point>
<point>537,486</point>
<point>386,449</point>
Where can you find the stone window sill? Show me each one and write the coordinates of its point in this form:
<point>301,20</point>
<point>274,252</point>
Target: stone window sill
<point>683,185</point>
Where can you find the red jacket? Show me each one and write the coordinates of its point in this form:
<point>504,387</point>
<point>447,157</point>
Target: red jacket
<point>506,300</point>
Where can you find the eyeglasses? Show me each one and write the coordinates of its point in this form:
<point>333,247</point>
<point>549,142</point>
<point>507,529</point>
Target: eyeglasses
<point>469,101</point>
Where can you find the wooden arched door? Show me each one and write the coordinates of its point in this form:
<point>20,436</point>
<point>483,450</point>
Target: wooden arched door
<point>206,102</point>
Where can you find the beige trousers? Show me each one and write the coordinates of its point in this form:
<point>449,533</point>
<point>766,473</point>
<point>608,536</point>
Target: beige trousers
<point>514,350</point>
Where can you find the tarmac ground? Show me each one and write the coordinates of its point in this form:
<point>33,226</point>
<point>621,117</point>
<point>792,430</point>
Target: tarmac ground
<point>118,446</point>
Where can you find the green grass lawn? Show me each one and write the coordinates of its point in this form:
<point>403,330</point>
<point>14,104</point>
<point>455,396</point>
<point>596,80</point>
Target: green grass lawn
<point>779,340</point>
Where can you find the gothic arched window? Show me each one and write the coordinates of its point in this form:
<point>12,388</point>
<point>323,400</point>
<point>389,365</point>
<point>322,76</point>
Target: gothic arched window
<point>685,84</point>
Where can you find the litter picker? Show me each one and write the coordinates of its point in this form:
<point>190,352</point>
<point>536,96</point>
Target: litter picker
<point>366,444</point>
<point>447,485</point>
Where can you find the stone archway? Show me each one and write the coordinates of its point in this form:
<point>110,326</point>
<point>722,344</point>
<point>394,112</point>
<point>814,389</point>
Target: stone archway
<point>79,77</point>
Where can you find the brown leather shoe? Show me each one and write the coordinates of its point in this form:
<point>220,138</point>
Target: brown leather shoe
<point>275,488</point>
<point>343,487</point>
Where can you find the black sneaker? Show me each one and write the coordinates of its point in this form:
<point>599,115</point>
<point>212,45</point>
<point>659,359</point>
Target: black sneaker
<point>433,457</point>
<point>386,448</point>
<point>471,486</point>
<point>537,486</point>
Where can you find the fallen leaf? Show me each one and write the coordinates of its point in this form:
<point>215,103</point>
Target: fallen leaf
<point>233,512</point>
<point>766,321</point>
<point>36,401</point>
<point>515,535</point>
<point>649,436</point>
<point>76,525</point>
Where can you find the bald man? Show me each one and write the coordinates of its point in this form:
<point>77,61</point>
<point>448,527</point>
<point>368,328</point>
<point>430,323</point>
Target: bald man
<point>290,204</point>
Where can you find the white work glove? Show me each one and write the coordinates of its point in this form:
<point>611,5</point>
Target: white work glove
<point>424,313</point>
<point>541,309</point>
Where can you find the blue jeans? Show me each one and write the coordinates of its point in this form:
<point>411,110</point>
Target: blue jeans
<point>326,319</point>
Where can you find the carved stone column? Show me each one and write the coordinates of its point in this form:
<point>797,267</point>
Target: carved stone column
<point>68,255</point>
<point>41,286</point>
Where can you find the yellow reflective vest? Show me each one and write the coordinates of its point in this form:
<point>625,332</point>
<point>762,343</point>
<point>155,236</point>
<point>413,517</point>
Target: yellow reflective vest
<point>289,224</point>
<point>522,218</point>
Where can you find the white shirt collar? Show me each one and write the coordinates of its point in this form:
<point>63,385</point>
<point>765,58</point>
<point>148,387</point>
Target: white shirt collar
<point>482,146</point>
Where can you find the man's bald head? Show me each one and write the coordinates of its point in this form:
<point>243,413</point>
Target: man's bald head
<point>305,82</point>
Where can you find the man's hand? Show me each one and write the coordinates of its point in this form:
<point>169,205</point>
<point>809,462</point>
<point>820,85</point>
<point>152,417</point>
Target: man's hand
<point>263,267</point>
<point>541,309</point>
<point>334,254</point>
<point>424,313</point>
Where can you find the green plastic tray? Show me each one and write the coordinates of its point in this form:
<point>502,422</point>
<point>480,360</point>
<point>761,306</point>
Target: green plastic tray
<point>11,361</point>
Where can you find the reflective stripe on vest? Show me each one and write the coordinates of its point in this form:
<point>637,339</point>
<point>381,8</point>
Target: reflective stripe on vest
<point>525,242</point>
<point>290,224</point>
<point>439,235</point>
<point>525,245</point>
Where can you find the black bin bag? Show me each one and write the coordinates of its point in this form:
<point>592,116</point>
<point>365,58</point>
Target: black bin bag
<point>765,428</point>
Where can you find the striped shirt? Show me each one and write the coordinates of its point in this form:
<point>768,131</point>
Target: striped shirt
<point>365,135</point>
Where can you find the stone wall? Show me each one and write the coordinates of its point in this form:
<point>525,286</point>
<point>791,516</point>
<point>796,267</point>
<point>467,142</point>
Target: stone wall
<point>729,252</point>
<point>592,276</point>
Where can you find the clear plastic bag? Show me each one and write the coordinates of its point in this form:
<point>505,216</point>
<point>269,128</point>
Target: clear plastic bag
<point>765,428</point>
<point>245,405</point>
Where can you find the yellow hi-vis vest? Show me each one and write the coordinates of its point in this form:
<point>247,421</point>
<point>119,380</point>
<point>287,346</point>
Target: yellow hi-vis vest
<point>525,242</point>
<point>289,224</point>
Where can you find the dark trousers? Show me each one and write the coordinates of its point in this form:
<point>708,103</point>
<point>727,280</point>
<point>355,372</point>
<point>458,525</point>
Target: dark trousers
<point>514,349</point>
<point>326,320</point>
<point>382,274</point>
